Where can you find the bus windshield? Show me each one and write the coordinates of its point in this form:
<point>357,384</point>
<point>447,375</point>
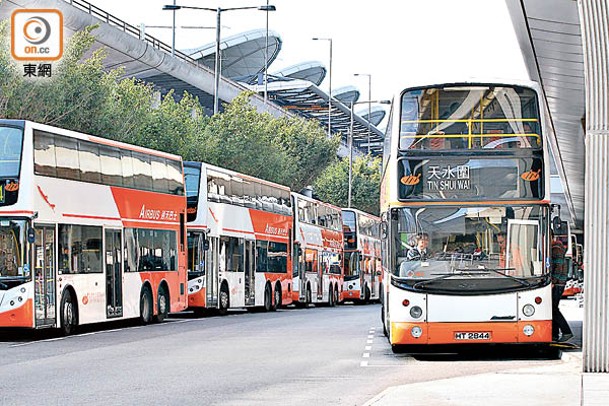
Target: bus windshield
<point>11,140</point>
<point>469,117</point>
<point>12,251</point>
<point>453,243</point>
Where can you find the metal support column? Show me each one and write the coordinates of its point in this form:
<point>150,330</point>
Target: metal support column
<point>594,17</point>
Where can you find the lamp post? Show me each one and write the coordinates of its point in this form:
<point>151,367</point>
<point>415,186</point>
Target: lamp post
<point>369,104</point>
<point>329,85</point>
<point>218,11</point>
<point>266,54</point>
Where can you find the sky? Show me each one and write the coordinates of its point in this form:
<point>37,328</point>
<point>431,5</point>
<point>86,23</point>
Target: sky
<point>392,40</point>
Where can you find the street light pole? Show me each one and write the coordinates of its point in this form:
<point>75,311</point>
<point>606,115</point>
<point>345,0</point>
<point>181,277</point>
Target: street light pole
<point>217,67</point>
<point>330,85</point>
<point>266,53</point>
<point>369,104</point>
<point>350,158</point>
<point>173,32</point>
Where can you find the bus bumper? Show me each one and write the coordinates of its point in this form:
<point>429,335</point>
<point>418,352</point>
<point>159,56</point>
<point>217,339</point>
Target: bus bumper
<point>469,333</point>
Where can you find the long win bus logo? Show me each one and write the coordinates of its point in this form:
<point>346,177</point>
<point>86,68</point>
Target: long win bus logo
<point>411,180</point>
<point>37,35</point>
<point>531,176</point>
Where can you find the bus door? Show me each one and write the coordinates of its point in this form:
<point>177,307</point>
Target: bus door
<point>372,271</point>
<point>295,268</point>
<point>321,264</point>
<point>44,275</point>
<point>250,273</point>
<point>114,277</point>
<point>211,270</point>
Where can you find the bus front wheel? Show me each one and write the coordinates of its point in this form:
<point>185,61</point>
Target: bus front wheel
<point>223,300</point>
<point>68,314</point>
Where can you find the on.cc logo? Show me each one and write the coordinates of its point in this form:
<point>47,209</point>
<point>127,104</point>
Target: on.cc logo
<point>36,34</point>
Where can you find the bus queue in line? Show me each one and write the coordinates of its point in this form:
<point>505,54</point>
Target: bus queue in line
<point>466,213</point>
<point>94,230</point>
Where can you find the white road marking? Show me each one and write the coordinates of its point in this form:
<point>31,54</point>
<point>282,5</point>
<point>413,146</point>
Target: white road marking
<point>363,364</point>
<point>366,355</point>
<point>368,348</point>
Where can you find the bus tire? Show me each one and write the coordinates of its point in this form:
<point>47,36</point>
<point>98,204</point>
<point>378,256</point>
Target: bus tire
<point>268,298</point>
<point>68,313</point>
<point>366,294</point>
<point>277,303</point>
<point>331,296</point>
<point>223,300</point>
<point>145,305</point>
<point>162,299</point>
<point>308,296</point>
<point>336,297</point>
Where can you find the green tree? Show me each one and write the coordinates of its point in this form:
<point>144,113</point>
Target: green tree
<point>333,184</point>
<point>83,96</point>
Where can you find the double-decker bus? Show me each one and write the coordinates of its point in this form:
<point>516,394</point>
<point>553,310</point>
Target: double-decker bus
<point>465,204</point>
<point>91,229</point>
<point>362,264</point>
<point>239,230</point>
<point>318,252</point>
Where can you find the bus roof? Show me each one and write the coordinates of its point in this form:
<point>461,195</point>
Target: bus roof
<point>89,137</point>
<point>360,212</point>
<point>196,164</point>
<point>450,80</point>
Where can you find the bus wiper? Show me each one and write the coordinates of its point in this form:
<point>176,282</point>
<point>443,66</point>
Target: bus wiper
<point>444,276</point>
<point>501,271</point>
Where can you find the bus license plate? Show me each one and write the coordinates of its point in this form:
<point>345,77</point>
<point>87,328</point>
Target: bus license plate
<point>473,335</point>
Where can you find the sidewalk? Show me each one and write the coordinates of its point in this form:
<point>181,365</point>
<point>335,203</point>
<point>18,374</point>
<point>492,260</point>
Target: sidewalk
<point>558,383</point>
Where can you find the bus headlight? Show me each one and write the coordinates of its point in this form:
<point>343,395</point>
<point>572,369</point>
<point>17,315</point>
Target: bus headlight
<point>528,310</point>
<point>528,330</point>
<point>416,331</point>
<point>416,312</point>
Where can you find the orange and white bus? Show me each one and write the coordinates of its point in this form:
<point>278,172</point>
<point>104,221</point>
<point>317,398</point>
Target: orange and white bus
<point>318,252</point>
<point>239,231</point>
<point>91,229</point>
<point>362,265</point>
<point>465,204</point>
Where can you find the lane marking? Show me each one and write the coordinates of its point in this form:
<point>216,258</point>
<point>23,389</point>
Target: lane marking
<point>368,348</point>
<point>363,364</point>
<point>366,355</point>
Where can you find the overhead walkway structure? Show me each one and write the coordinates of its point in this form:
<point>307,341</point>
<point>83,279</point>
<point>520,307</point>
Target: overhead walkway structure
<point>147,58</point>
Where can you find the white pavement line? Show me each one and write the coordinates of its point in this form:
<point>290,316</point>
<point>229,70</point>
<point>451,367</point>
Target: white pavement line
<point>371,336</point>
<point>369,341</point>
<point>368,348</point>
<point>366,355</point>
<point>167,323</point>
<point>363,364</point>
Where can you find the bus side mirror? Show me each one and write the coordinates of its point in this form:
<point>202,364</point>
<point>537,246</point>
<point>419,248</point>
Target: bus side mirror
<point>384,228</point>
<point>31,235</point>
<point>205,245</point>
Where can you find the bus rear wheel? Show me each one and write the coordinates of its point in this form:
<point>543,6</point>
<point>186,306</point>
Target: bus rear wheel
<point>331,297</point>
<point>268,298</point>
<point>68,314</point>
<point>162,304</point>
<point>145,306</point>
<point>277,304</point>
